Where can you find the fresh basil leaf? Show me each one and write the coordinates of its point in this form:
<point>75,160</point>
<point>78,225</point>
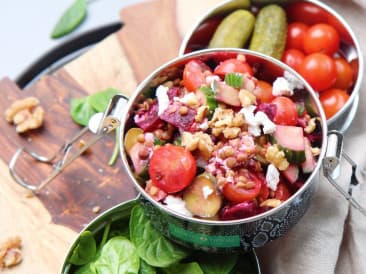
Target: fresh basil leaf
<point>70,19</point>
<point>234,79</point>
<point>85,249</point>
<point>118,255</point>
<point>100,100</point>
<point>217,263</point>
<point>188,268</point>
<point>81,111</point>
<point>145,268</point>
<point>151,245</point>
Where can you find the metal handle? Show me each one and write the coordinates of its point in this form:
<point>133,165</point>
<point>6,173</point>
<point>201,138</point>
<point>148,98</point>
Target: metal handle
<point>331,167</point>
<point>100,125</point>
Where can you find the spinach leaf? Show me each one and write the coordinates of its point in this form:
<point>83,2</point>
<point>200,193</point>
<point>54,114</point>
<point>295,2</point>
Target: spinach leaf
<point>151,245</point>
<point>118,255</point>
<point>86,269</point>
<point>217,263</point>
<point>81,110</point>
<point>85,249</point>
<point>145,268</point>
<point>70,19</point>
<point>99,100</point>
<point>188,268</point>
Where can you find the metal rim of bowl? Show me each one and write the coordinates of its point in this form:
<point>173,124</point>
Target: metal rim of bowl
<point>352,103</point>
<point>180,60</point>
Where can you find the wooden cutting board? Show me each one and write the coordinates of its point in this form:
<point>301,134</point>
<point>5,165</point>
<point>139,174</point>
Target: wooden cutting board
<point>49,222</point>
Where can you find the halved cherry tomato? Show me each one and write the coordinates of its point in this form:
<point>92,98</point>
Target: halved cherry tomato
<point>295,35</point>
<point>172,168</point>
<point>344,73</point>
<point>286,111</point>
<point>233,65</point>
<point>319,70</point>
<point>237,194</point>
<point>293,58</point>
<point>305,12</point>
<point>333,100</point>
<point>282,192</point>
<point>321,38</point>
<point>194,74</point>
<point>263,91</point>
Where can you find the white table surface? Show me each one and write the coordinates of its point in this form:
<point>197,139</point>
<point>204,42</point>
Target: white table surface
<point>25,27</point>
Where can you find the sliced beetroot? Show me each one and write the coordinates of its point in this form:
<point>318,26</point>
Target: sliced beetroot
<point>173,92</point>
<point>173,116</point>
<point>239,211</point>
<point>269,109</point>
<point>148,119</point>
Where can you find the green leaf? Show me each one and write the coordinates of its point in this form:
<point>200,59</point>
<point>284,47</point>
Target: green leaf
<point>70,19</point>
<point>210,98</point>
<point>234,79</point>
<point>85,249</point>
<point>188,268</point>
<point>81,111</point>
<point>217,263</point>
<point>145,268</point>
<point>100,100</point>
<point>118,255</point>
<point>151,245</point>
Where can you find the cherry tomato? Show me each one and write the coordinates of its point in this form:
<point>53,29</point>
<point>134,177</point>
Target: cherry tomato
<point>295,35</point>
<point>237,194</point>
<point>286,111</point>
<point>263,91</point>
<point>305,12</point>
<point>344,73</point>
<point>172,168</point>
<point>282,193</point>
<point>333,100</point>
<point>319,70</point>
<point>321,38</point>
<point>293,58</point>
<point>194,74</point>
<point>233,65</point>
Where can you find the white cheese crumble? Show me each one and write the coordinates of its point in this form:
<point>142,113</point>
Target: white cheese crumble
<point>211,79</point>
<point>255,121</point>
<point>177,204</point>
<point>294,82</point>
<point>207,191</point>
<point>282,87</point>
<point>272,177</point>
<point>163,99</point>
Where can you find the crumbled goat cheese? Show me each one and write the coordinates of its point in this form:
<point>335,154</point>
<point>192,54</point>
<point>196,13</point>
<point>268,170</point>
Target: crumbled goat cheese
<point>163,99</point>
<point>272,177</point>
<point>204,125</point>
<point>282,87</point>
<point>211,79</point>
<point>255,121</point>
<point>207,191</point>
<point>294,82</point>
<point>177,205</point>
<point>189,99</point>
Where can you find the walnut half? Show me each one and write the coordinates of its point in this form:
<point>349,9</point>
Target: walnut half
<point>26,114</point>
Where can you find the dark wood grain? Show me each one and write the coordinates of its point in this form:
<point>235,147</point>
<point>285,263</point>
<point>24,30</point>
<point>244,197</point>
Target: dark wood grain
<point>88,181</point>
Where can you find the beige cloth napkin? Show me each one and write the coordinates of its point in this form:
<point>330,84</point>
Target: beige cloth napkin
<point>331,237</point>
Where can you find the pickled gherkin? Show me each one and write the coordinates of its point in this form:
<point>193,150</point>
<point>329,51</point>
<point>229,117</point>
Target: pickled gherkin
<point>269,35</point>
<point>234,31</point>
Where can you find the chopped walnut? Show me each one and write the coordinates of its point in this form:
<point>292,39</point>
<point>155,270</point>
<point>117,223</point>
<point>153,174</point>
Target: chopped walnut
<point>227,122</point>
<point>10,254</point>
<point>311,126</point>
<point>246,98</point>
<point>201,113</point>
<point>26,114</point>
<point>271,203</point>
<point>276,157</point>
<point>198,141</point>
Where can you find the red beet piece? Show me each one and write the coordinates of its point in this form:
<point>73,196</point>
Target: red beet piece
<point>173,116</point>
<point>148,119</point>
<point>239,211</point>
